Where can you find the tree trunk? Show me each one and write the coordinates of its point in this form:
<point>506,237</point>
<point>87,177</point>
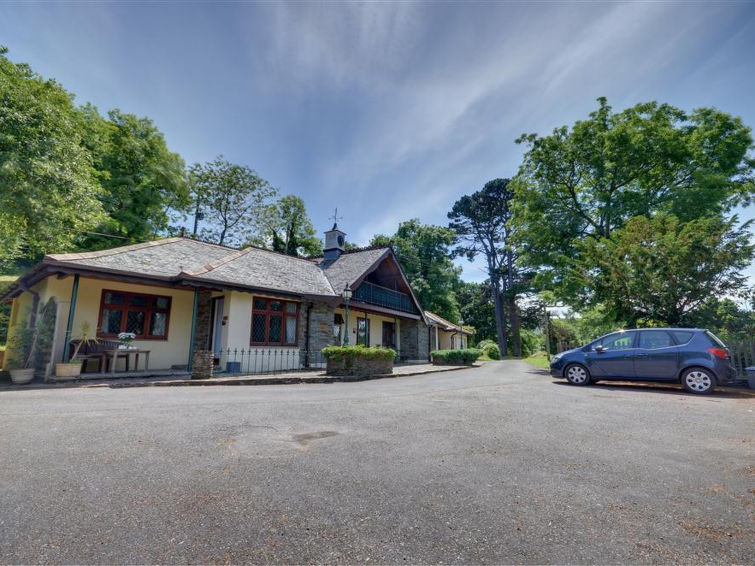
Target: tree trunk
<point>500,319</point>
<point>516,338</point>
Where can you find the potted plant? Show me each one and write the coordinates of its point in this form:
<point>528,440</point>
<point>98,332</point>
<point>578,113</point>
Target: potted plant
<point>72,368</point>
<point>127,338</point>
<point>21,348</point>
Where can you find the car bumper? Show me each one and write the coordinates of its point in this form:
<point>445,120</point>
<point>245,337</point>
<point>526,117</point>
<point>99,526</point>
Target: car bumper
<point>557,372</point>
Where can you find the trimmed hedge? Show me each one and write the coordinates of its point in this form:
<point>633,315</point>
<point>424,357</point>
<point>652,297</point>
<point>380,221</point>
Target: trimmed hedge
<point>336,353</point>
<point>455,357</point>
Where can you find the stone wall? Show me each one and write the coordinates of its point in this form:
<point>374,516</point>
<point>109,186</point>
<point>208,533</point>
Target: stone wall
<point>204,316</point>
<point>319,331</point>
<point>203,365</point>
<point>359,367</point>
<point>415,340</point>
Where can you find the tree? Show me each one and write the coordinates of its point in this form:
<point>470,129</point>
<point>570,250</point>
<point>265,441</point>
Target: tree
<point>141,177</point>
<point>48,185</point>
<point>476,306</point>
<point>589,180</point>
<point>233,199</point>
<point>482,223</point>
<point>424,254</point>
<point>659,269</point>
<point>288,229</point>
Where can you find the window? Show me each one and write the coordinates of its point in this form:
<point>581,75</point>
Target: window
<point>654,339</point>
<point>363,331</point>
<point>274,322</point>
<point>147,316</point>
<point>682,336</point>
<point>619,341</point>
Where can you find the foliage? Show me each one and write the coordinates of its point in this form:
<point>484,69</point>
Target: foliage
<point>85,338</point>
<point>48,186</point>
<point>27,344</point>
<point>489,349</point>
<point>476,307</point>
<point>5,282</point>
<point>587,181</point>
<point>725,317</point>
<point>338,353</point>
<point>532,341</point>
<point>141,177</point>
<point>464,357</point>
<point>288,229</point>
<point>45,334</point>
<point>233,199</point>
<point>538,359</point>
<point>423,252</point>
<point>659,269</point>
<point>560,330</point>
<point>482,223</point>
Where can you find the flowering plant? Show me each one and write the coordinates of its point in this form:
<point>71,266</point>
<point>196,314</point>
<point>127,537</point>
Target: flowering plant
<point>127,337</point>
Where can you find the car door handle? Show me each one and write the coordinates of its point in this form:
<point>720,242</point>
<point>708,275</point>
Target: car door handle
<point>641,355</point>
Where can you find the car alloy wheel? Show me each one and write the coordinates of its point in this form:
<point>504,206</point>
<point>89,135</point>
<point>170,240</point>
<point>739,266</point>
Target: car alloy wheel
<point>577,375</point>
<point>697,380</point>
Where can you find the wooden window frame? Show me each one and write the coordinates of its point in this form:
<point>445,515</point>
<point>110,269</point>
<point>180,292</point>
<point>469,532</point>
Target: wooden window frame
<point>267,313</point>
<point>125,309</point>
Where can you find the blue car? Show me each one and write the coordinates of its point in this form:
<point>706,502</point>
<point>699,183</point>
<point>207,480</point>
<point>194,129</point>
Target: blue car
<point>694,357</point>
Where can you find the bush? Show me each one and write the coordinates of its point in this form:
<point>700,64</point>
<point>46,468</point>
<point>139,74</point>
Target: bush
<point>532,342</point>
<point>455,357</point>
<point>492,351</point>
<point>337,353</point>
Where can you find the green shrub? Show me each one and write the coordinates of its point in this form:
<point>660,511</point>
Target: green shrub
<point>532,342</point>
<point>492,351</point>
<point>456,357</point>
<point>337,353</point>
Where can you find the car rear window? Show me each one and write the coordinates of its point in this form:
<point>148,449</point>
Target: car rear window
<point>715,340</point>
<point>682,336</point>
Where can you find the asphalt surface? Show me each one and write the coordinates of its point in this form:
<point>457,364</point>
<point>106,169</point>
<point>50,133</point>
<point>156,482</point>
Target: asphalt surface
<point>500,464</point>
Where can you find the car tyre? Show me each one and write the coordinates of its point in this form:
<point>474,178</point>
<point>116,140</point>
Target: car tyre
<point>699,381</point>
<point>577,374</point>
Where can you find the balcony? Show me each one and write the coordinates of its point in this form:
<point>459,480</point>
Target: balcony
<point>383,297</point>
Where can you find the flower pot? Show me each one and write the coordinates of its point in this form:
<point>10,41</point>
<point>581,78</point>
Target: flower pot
<point>66,371</point>
<point>21,376</point>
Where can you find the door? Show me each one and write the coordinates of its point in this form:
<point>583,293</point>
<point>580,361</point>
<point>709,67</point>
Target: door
<point>657,356</point>
<point>216,328</point>
<point>389,335</point>
<point>613,356</point>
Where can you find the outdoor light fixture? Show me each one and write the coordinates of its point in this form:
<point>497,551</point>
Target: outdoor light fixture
<point>347,294</point>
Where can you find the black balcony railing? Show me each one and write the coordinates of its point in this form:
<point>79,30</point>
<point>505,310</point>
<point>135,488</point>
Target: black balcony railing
<point>384,297</point>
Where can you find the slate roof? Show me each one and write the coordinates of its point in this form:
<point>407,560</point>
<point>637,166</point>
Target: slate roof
<point>187,260</point>
<point>350,266</point>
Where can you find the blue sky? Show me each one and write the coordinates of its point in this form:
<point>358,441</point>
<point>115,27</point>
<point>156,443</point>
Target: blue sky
<point>388,110</point>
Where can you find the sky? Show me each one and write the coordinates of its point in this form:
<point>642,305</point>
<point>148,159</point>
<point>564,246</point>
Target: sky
<point>386,110</point>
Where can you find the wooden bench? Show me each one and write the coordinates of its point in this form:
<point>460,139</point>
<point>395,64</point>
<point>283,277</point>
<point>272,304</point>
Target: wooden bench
<point>93,351</point>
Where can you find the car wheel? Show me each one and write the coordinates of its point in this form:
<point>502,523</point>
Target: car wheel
<point>577,374</point>
<point>698,380</point>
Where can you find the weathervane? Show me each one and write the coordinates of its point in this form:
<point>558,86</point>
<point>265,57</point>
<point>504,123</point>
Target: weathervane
<point>336,218</point>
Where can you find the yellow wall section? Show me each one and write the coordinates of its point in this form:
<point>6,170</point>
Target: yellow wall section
<point>376,327</point>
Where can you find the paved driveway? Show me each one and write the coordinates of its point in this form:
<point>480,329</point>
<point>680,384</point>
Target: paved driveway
<point>498,464</point>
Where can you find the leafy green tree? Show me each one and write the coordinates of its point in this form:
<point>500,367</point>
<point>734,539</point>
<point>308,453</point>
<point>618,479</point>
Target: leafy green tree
<point>233,199</point>
<point>424,254</point>
<point>660,269</point>
<point>288,229</point>
<point>729,319</point>
<point>482,223</point>
<point>476,306</point>
<point>587,181</point>
<point>142,179</point>
<point>48,185</point>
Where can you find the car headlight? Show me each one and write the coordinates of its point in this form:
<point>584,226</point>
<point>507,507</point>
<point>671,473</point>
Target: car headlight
<point>556,357</point>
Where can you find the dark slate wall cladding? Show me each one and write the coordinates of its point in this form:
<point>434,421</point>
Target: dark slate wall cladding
<point>204,314</point>
<point>415,340</point>
<point>320,328</point>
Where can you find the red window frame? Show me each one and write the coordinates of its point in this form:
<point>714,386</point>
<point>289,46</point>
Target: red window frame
<point>267,312</point>
<point>125,308</point>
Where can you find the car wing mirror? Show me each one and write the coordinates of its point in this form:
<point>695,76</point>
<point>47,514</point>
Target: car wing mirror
<point>600,349</point>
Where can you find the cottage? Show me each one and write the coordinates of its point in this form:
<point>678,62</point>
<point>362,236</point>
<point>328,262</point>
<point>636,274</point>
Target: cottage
<point>445,335</point>
<point>179,296</point>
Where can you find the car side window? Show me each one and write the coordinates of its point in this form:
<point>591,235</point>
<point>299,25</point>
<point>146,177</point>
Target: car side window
<point>620,341</point>
<point>682,336</point>
<point>654,339</point>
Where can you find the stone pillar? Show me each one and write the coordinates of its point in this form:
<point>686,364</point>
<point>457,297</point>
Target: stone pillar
<point>203,365</point>
<point>319,331</point>
<point>415,340</point>
<point>204,316</point>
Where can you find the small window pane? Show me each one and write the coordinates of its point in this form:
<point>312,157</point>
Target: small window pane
<point>276,306</point>
<point>258,328</point>
<point>260,304</point>
<point>682,336</point>
<point>158,324</point>
<point>162,303</point>
<point>276,323</point>
<point>291,308</point>
<point>618,341</point>
<point>111,322</point>
<point>137,301</point>
<point>135,322</point>
<point>290,330</point>
<point>114,298</point>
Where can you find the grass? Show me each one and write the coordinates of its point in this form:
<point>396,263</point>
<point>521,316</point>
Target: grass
<point>538,359</point>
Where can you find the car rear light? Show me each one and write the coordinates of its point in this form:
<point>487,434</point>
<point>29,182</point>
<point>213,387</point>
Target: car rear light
<point>719,353</point>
